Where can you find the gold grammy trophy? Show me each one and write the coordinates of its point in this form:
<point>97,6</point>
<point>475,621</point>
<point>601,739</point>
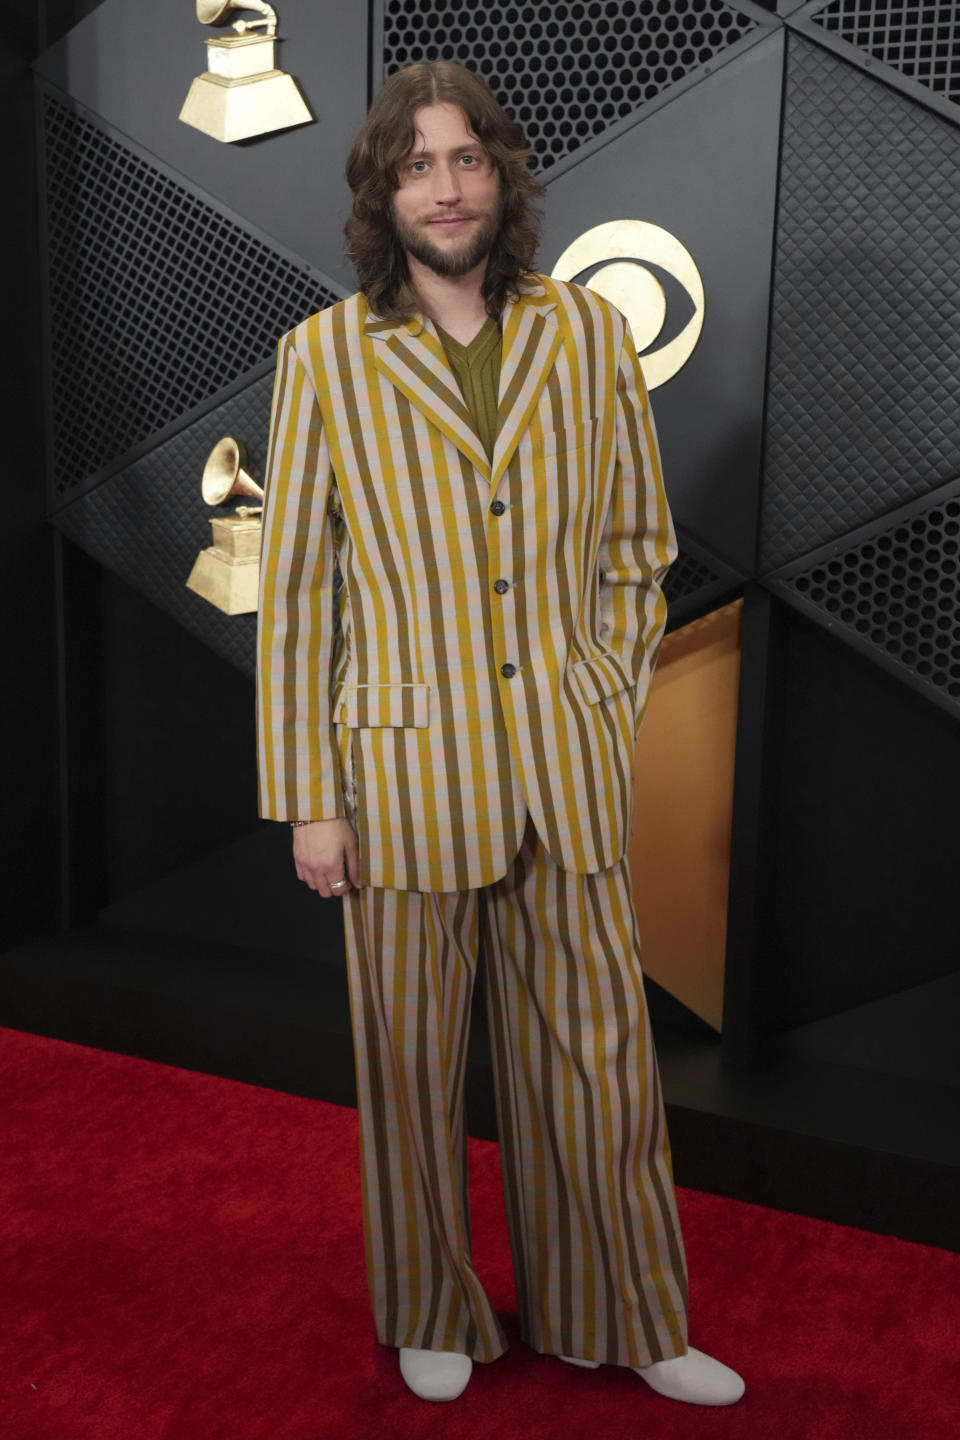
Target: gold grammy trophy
<point>241,93</point>
<point>227,573</point>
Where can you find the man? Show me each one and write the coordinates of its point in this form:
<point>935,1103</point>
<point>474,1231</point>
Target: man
<point>464,536</point>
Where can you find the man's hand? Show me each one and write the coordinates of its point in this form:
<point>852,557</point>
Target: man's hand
<point>325,854</point>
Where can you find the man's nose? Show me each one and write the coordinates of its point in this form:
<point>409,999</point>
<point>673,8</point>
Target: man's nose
<point>447,182</point>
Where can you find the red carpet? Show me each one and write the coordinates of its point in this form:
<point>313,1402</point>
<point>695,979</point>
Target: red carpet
<point>180,1259</point>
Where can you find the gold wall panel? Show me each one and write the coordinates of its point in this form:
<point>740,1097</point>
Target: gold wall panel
<point>683,788</point>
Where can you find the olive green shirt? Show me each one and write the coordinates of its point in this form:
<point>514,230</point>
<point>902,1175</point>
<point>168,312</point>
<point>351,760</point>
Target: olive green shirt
<point>477,368</point>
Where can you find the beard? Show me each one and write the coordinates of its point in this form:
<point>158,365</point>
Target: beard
<point>416,241</point>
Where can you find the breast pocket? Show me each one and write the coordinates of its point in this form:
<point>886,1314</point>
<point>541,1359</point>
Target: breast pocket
<point>566,438</point>
<point>538,446</point>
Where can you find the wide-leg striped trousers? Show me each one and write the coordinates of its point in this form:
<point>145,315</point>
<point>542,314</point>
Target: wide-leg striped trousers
<point>597,1250</point>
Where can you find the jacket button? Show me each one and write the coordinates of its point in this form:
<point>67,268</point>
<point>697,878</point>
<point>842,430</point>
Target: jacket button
<point>501,586</point>
<point>497,508</point>
<point>508,671</point>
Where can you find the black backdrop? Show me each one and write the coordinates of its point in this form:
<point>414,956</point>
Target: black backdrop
<point>811,447</point>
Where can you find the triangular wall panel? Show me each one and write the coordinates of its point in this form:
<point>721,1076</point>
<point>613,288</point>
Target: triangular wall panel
<point>148,521</point>
<point>572,75</point>
<point>157,298</point>
<point>865,345</point>
<point>132,63</point>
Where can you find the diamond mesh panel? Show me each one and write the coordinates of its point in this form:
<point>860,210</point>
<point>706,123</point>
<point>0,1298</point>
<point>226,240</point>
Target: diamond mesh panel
<point>687,577</point>
<point>919,40</point>
<point>897,592</point>
<point>865,346</point>
<point>567,72</point>
<point>157,300</point>
<point>696,583</point>
<point>148,522</point>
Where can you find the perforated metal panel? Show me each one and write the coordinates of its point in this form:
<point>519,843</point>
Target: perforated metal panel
<point>895,593</point>
<point>157,299</point>
<point>697,582</point>
<point>921,40</point>
<point>147,522</point>
<point>865,347</point>
<point>686,577</point>
<point>567,72</point>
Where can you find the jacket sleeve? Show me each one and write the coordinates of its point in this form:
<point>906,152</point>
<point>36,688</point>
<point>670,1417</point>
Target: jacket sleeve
<point>638,544</point>
<point>297,630</point>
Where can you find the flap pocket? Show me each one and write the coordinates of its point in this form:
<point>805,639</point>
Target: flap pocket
<point>403,706</point>
<point>600,676</point>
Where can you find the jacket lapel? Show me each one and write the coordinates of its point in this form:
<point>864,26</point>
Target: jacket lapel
<point>411,356</point>
<point>531,338</point>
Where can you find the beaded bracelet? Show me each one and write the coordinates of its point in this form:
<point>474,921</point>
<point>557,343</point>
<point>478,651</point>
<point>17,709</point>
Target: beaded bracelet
<point>295,823</point>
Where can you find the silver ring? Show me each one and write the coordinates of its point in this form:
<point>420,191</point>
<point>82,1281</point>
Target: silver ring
<point>337,884</point>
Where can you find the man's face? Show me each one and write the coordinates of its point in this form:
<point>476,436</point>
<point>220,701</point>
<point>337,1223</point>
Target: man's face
<point>446,207</point>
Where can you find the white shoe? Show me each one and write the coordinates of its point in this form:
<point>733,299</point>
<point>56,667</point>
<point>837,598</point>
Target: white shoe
<point>694,1377</point>
<point>435,1374</point>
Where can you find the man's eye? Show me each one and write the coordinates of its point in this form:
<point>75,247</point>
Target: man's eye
<point>418,166</point>
<point>469,159</point>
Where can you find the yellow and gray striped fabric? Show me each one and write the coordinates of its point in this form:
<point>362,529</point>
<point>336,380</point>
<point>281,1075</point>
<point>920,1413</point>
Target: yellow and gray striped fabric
<point>435,706</point>
<point>597,1250</point>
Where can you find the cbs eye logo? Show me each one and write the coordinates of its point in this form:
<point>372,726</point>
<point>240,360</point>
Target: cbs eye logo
<point>622,249</point>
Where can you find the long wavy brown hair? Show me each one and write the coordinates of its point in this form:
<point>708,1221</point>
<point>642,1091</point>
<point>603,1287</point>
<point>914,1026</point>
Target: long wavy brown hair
<point>387,137</point>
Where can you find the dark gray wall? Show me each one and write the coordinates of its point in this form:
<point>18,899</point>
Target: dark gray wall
<point>704,167</point>
<point>860,835</point>
<point>30,807</point>
<point>133,64</point>
<point>815,196</point>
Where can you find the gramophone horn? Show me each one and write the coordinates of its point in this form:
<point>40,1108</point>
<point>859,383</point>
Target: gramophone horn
<point>211,12</point>
<point>224,475</point>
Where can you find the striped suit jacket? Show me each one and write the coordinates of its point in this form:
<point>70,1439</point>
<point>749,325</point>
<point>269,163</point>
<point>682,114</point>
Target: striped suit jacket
<point>447,642</point>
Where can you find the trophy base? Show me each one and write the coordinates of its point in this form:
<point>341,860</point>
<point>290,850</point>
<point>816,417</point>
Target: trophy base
<point>230,584</point>
<point>232,110</point>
